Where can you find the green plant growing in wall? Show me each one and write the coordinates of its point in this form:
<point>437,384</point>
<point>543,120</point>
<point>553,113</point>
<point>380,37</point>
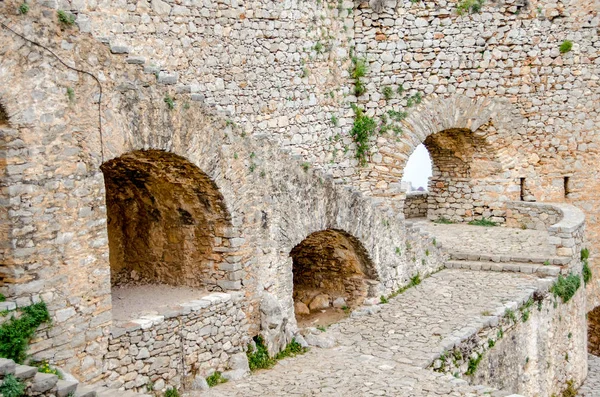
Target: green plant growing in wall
<point>363,129</point>
<point>172,392</point>
<point>383,299</point>
<point>334,120</point>
<point>305,166</point>
<point>358,70</point>
<point>469,6</point>
<point>565,47</point>
<point>70,94</point>
<point>66,18</point>
<point>23,8</point>
<point>16,332</point>
<point>388,93</point>
<point>169,101</point>
<point>12,387</point>
<point>586,272</point>
<point>566,287</point>
<point>215,379</point>
<point>473,364</point>
<point>483,222</point>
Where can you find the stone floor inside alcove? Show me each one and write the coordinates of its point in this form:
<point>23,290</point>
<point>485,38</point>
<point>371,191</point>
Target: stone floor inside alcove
<point>133,301</point>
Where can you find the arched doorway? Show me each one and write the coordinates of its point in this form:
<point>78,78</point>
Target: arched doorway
<point>466,180</point>
<point>415,182</point>
<point>167,225</point>
<point>332,274</point>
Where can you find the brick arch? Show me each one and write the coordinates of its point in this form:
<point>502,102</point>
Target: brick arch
<point>167,221</point>
<point>334,263</point>
<point>460,113</point>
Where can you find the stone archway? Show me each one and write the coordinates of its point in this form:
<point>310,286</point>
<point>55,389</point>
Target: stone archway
<point>167,224</point>
<point>461,162</point>
<point>331,269</point>
<point>473,163</point>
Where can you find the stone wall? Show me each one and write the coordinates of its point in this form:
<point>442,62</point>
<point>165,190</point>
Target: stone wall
<point>497,74</point>
<point>173,347</point>
<point>54,192</point>
<point>537,216</point>
<point>415,205</point>
<point>533,347</point>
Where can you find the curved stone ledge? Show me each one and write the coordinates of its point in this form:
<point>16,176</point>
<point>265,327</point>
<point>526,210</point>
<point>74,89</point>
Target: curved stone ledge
<point>565,224</point>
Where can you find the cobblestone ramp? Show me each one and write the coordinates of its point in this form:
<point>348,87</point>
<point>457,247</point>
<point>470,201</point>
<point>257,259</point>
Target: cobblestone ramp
<point>386,353</point>
<point>591,386</point>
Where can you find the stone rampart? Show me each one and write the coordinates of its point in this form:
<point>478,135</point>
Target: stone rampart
<point>530,347</point>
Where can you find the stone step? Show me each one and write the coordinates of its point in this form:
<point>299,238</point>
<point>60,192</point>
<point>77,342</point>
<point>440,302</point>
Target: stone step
<point>65,388</point>
<point>517,267</point>
<point>85,391</point>
<point>474,256</point>
<point>135,60</point>
<point>165,78</point>
<point>25,371</point>
<point>119,49</point>
<point>43,382</point>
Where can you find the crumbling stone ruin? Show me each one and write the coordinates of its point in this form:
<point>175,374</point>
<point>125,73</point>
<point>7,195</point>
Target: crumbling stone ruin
<point>180,177</point>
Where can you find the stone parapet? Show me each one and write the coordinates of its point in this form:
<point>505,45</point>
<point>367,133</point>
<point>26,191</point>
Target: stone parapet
<point>171,348</point>
<point>565,224</point>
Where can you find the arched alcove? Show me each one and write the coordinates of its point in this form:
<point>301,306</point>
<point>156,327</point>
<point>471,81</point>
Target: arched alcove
<point>167,222</point>
<point>331,270</point>
<point>415,182</point>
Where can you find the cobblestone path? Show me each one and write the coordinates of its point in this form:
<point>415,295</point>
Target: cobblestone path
<point>591,386</point>
<point>385,353</point>
<point>489,240</point>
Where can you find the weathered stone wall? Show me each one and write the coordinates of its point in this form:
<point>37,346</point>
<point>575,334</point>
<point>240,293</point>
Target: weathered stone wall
<point>498,74</point>
<point>415,205</point>
<point>55,196</point>
<point>537,216</point>
<point>531,348</point>
<point>539,356</point>
<point>173,347</point>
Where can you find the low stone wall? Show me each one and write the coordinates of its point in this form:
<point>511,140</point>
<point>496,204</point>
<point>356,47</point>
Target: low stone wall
<point>170,349</point>
<point>531,215</point>
<point>415,205</point>
<point>565,224</point>
<point>532,347</point>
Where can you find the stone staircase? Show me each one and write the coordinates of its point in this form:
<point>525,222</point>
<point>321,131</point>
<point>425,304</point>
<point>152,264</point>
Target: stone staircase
<point>163,77</point>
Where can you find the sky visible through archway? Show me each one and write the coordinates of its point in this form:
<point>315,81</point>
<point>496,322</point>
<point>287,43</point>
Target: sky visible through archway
<point>418,168</point>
